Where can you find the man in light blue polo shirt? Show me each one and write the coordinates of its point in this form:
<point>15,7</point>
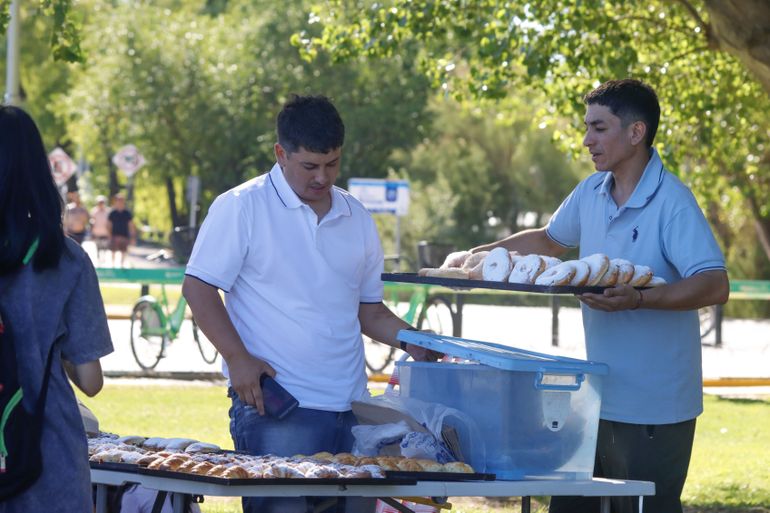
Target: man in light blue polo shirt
<point>633,208</point>
<point>299,261</point>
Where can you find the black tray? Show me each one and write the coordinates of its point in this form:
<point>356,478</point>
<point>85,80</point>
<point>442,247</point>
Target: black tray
<point>279,480</point>
<point>439,476</point>
<point>115,466</point>
<point>457,283</point>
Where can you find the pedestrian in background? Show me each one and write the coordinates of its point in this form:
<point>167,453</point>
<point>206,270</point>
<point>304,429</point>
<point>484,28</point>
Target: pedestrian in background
<point>100,226</point>
<point>122,229</point>
<point>76,218</point>
<point>52,310</point>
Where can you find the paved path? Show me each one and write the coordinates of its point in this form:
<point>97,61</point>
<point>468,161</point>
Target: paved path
<point>745,351</point>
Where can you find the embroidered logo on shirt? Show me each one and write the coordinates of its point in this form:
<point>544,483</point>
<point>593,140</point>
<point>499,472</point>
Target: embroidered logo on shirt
<point>635,234</point>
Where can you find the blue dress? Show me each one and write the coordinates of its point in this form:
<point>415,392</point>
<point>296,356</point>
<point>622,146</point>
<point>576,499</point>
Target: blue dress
<point>64,307</point>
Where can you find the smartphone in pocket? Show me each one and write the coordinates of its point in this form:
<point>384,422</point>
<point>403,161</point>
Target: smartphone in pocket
<point>277,400</point>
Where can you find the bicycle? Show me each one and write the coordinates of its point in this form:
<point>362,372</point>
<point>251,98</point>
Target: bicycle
<point>154,326</point>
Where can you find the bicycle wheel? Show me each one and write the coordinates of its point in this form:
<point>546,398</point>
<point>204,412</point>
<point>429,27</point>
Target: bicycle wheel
<point>377,356</point>
<point>207,349</point>
<point>708,320</point>
<point>148,339</point>
<point>437,316</point>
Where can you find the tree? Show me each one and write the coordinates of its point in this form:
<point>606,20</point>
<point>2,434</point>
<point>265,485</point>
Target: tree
<point>65,27</point>
<point>197,92</point>
<point>709,62</point>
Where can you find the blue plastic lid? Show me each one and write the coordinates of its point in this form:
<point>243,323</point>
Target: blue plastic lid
<point>499,356</point>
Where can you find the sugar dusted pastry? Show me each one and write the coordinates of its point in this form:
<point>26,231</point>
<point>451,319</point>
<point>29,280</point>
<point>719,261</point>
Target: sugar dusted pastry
<point>196,447</point>
<point>235,472</point>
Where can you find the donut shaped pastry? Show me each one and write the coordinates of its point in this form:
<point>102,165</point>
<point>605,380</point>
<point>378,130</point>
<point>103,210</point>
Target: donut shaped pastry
<point>550,261</point>
<point>475,265</point>
<point>642,275</point>
<point>598,264</point>
<point>656,281</point>
<point>474,259</point>
<point>527,269</point>
<point>455,259</point>
<point>557,275</point>
<point>610,278</point>
<point>582,272</point>
<point>497,265</point>
<point>625,270</point>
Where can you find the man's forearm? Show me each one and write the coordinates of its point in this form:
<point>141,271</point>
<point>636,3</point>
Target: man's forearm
<point>703,289</point>
<point>212,317</point>
<point>526,242</point>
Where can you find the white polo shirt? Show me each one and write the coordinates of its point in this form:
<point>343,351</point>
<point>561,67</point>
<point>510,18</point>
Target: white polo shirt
<point>293,286</point>
<point>654,355</point>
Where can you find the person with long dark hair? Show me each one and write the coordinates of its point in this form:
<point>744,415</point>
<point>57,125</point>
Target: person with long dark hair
<point>51,308</point>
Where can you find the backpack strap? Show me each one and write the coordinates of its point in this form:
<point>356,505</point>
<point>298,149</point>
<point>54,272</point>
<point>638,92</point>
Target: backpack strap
<point>31,251</point>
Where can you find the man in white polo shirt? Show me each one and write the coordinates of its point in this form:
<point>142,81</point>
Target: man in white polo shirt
<point>299,261</point>
<point>633,208</point>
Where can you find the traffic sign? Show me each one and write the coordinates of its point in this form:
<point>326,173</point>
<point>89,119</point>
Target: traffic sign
<point>128,159</point>
<point>377,195</point>
<point>62,166</point>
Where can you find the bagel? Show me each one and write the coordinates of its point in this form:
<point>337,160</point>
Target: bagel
<point>497,265</point>
<point>642,275</point>
<point>550,261</point>
<point>582,272</point>
<point>625,270</point>
<point>527,269</point>
<point>610,278</point>
<point>598,264</point>
<point>455,259</point>
<point>656,281</point>
<point>560,274</point>
<point>475,265</point>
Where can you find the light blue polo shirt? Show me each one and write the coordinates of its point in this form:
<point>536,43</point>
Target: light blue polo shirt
<point>654,355</point>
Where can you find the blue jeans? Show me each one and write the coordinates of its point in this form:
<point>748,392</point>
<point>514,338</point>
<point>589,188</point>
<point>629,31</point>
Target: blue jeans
<point>303,431</point>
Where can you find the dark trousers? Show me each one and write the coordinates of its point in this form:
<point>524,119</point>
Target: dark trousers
<point>657,453</point>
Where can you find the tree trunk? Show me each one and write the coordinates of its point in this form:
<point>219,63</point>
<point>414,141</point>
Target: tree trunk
<point>762,226</point>
<point>742,28</point>
<point>171,193</point>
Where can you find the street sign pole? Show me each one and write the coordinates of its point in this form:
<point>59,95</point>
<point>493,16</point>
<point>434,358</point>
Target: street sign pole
<point>12,96</point>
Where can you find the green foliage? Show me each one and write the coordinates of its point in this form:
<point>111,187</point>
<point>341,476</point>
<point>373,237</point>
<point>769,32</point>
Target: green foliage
<point>478,174</point>
<point>197,91</point>
<point>64,42</point>
<point>714,130</point>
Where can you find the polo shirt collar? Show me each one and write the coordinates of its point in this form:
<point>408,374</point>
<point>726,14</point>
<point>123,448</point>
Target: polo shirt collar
<point>646,188</point>
<point>289,199</point>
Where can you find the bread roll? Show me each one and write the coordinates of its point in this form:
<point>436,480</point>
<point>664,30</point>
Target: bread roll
<point>455,259</point>
<point>458,466</point>
<point>235,472</point>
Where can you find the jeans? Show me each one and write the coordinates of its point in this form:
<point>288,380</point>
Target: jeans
<point>304,431</point>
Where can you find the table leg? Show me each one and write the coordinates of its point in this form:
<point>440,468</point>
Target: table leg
<point>526,504</point>
<point>605,505</point>
<point>101,498</point>
<point>160,498</point>
<point>179,502</point>
<point>641,504</point>
<point>393,503</point>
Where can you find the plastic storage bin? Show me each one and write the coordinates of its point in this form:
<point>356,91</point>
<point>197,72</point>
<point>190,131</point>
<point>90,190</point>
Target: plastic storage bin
<point>536,415</point>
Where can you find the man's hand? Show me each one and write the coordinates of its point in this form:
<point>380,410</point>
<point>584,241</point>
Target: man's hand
<point>245,372</point>
<point>422,354</point>
<point>622,297</point>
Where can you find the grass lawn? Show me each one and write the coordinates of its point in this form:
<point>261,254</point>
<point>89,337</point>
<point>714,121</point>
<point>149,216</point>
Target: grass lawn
<point>729,472</point>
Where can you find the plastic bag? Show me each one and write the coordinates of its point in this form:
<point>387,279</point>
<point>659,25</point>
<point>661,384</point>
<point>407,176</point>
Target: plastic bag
<point>370,438</point>
<point>425,446</point>
<point>435,417</point>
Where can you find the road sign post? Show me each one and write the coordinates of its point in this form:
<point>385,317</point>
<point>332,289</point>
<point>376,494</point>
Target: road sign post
<point>383,197</point>
<point>129,160</point>
<point>62,166</point>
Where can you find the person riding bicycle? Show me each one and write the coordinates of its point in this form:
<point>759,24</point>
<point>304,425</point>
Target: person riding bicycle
<point>299,260</point>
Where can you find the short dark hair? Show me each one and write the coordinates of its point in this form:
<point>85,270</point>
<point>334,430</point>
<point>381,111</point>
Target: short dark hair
<point>30,204</point>
<point>630,100</point>
<point>310,122</point>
